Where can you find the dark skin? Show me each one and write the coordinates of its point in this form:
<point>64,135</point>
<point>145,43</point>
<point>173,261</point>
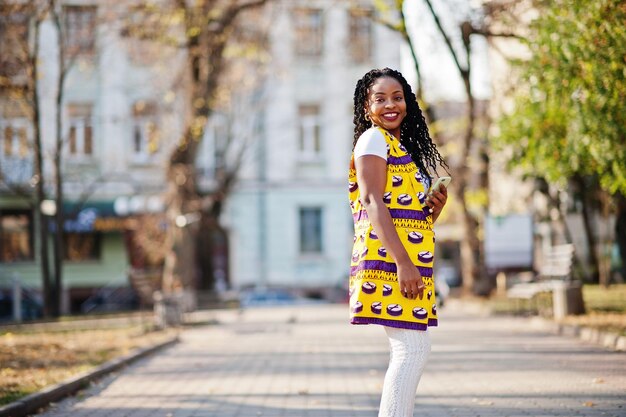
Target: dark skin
<point>386,98</point>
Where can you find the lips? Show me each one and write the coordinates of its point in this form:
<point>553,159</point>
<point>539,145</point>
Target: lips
<point>391,116</point>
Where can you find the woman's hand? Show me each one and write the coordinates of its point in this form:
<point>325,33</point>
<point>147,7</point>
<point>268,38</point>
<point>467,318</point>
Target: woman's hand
<point>410,281</point>
<point>436,200</point>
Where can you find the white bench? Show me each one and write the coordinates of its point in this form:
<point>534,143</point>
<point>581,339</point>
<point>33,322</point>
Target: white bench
<point>555,270</point>
<point>557,263</point>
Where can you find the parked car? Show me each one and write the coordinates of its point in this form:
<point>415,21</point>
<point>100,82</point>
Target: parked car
<point>273,297</point>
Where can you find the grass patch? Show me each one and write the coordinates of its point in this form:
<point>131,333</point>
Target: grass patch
<point>606,307</point>
<point>31,361</point>
<point>605,300</point>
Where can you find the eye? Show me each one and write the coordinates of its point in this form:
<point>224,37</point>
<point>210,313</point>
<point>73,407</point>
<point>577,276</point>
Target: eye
<point>399,98</point>
<point>378,100</point>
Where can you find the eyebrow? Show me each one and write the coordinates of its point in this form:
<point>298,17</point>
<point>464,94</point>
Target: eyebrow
<point>394,92</point>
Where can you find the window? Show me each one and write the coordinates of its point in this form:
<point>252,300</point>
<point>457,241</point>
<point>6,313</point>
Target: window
<point>82,246</point>
<point>14,36</point>
<point>16,236</point>
<point>15,138</point>
<point>310,138</point>
<point>311,230</point>
<point>16,162</point>
<point>309,30</point>
<point>360,41</point>
<point>80,30</point>
<point>146,136</point>
<point>80,134</point>
<point>142,28</point>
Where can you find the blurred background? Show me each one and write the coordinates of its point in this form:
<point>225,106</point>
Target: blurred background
<point>196,152</point>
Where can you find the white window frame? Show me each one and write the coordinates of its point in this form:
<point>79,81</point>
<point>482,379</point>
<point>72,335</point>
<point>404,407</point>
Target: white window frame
<point>80,118</point>
<point>310,133</point>
<point>80,38</point>
<point>142,123</point>
<point>301,229</point>
<point>16,167</point>
<point>309,32</point>
<point>360,44</point>
<point>17,124</point>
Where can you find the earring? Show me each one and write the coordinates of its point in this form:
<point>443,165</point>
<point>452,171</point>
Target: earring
<point>367,117</point>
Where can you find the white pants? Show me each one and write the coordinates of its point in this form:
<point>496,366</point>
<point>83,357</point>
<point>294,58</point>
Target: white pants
<point>409,350</point>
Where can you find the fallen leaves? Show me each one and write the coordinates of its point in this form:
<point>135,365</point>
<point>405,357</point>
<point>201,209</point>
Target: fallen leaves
<point>32,361</point>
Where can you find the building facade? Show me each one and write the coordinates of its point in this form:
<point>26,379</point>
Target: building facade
<point>123,109</point>
<point>289,220</point>
<point>120,114</point>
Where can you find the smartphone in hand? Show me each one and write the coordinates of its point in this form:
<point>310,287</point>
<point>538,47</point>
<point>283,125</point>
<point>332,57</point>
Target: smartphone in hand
<point>445,181</point>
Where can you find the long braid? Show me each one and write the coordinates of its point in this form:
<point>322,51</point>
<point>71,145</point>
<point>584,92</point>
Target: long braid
<point>414,134</point>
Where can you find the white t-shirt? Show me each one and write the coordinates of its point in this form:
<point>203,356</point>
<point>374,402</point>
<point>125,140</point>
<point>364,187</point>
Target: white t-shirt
<point>371,142</point>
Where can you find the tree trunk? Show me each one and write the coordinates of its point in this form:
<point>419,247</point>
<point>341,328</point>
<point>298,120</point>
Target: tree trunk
<point>58,230</point>
<point>180,267</point>
<point>470,245</point>
<point>58,155</point>
<point>588,223</point>
<point>620,232</point>
<point>40,193</point>
<point>205,64</point>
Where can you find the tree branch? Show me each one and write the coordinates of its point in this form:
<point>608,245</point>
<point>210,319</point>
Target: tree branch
<point>446,38</point>
<point>489,34</point>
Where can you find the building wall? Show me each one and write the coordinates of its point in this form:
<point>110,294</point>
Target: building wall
<point>263,215</point>
<point>112,81</point>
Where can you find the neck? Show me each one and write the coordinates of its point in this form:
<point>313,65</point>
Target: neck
<point>395,132</point>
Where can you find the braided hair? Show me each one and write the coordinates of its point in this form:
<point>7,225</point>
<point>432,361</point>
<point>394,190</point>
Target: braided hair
<point>413,130</point>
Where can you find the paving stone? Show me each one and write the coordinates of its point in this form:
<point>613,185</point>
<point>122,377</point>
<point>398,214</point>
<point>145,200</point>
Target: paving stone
<point>306,361</point>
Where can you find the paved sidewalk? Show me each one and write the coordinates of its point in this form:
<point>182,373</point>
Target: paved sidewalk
<point>307,361</point>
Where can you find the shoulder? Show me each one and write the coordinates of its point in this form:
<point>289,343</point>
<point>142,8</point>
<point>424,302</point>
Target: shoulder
<point>371,142</point>
<point>373,134</point>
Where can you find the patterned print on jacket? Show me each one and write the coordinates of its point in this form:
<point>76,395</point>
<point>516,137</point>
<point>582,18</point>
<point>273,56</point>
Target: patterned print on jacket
<point>375,296</point>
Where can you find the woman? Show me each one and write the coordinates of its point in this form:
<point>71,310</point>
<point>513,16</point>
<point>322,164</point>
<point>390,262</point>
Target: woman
<point>391,279</point>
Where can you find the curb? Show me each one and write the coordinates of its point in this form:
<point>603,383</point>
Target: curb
<point>609,340</point>
<point>33,402</point>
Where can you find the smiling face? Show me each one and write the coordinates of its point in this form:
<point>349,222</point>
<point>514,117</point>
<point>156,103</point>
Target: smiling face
<point>386,106</point>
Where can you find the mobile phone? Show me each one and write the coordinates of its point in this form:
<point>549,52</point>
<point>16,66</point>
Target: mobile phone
<point>445,181</point>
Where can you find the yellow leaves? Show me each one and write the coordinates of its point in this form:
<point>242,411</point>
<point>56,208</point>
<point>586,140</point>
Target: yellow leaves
<point>194,31</point>
<point>169,97</point>
<point>40,359</point>
<point>199,103</point>
<point>477,200</point>
<point>196,131</point>
<point>177,17</point>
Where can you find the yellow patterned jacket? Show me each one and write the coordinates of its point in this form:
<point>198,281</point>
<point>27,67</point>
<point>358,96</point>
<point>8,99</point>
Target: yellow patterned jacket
<point>374,292</point>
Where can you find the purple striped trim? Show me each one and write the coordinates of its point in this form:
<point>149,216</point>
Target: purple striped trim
<point>402,160</point>
<point>408,214</point>
<point>395,214</point>
<point>394,323</point>
<point>386,267</point>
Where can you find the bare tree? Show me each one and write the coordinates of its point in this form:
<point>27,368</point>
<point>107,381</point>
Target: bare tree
<point>26,55</point>
<point>203,30</point>
<point>35,13</point>
<point>392,16</point>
